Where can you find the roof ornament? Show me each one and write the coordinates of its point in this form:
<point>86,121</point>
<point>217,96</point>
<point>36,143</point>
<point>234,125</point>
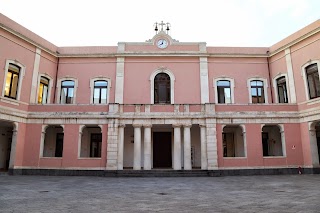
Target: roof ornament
<point>164,27</point>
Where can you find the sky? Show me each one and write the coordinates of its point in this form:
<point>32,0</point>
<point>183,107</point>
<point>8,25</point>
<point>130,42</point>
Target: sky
<point>243,23</point>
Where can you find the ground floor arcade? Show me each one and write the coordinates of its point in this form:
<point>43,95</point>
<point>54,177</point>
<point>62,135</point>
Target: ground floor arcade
<point>195,144</point>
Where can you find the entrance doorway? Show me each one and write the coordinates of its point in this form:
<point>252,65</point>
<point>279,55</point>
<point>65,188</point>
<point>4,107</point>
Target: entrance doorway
<point>5,145</point>
<point>162,150</point>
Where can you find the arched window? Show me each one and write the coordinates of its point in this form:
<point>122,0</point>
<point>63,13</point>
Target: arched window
<point>162,90</point>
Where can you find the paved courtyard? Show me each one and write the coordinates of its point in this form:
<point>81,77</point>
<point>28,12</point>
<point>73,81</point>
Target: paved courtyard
<point>297,193</point>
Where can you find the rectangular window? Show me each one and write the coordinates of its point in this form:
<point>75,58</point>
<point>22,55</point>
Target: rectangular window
<point>100,92</point>
<point>224,92</point>
<point>67,92</point>
<point>12,80</point>
<point>282,90</point>
<point>257,92</point>
<point>43,90</point>
<point>313,81</point>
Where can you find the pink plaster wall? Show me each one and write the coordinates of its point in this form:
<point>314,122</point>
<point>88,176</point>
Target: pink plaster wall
<point>24,53</point>
<point>301,54</point>
<point>31,152</point>
<point>32,147</point>
<point>137,79</point>
<point>20,144</point>
<point>240,69</point>
<point>305,143</point>
<point>48,65</point>
<point>84,69</point>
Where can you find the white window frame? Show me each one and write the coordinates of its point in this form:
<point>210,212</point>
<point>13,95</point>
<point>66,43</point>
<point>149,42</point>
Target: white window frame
<point>50,86</point>
<point>58,93</point>
<point>21,75</point>
<point>304,76</point>
<point>275,87</point>
<point>99,78</point>
<point>215,80</point>
<point>265,89</point>
<point>172,80</point>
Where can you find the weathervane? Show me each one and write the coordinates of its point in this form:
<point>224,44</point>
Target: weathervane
<point>161,25</point>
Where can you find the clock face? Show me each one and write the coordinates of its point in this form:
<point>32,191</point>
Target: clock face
<point>162,43</point>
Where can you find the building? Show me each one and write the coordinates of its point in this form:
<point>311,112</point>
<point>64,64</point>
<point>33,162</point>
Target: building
<point>159,104</point>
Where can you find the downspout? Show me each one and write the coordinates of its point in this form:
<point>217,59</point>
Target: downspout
<point>270,84</point>
<point>56,78</point>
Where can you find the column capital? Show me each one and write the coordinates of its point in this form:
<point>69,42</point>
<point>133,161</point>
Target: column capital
<point>202,126</point>
<point>176,125</point>
<point>137,125</point>
<point>187,125</point>
<point>147,125</point>
<point>121,125</point>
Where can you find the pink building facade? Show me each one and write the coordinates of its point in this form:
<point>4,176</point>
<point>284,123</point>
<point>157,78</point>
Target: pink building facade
<point>159,104</point>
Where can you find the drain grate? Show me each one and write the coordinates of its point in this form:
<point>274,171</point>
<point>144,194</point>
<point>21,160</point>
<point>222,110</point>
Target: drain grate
<point>43,191</point>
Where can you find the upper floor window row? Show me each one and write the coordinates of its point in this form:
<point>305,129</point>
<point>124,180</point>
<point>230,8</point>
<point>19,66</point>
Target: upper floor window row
<point>313,81</point>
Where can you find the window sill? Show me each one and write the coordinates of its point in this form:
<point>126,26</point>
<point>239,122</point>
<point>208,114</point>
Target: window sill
<point>268,157</point>
<point>51,158</point>
<point>10,101</point>
<point>234,158</point>
<point>313,101</point>
<point>89,158</point>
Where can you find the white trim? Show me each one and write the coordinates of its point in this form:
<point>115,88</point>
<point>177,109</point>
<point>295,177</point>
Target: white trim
<point>172,80</point>
<point>68,78</point>
<point>36,64</point>
<point>204,80</point>
<point>303,73</point>
<point>99,78</point>
<point>275,88</point>
<point>265,88</point>
<point>50,86</point>
<point>119,80</point>
<point>21,75</point>
<point>232,85</point>
<point>291,84</point>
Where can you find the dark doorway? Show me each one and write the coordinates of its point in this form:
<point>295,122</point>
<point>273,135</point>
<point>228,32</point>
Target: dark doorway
<point>162,157</point>
<point>59,145</point>
<point>265,144</point>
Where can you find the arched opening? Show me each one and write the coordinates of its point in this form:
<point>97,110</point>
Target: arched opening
<point>233,141</point>
<point>53,141</point>
<point>314,134</point>
<point>272,143</point>
<point>162,89</point>
<point>6,135</point>
<point>91,142</point>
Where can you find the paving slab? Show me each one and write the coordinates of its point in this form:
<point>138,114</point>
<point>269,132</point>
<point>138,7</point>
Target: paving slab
<point>285,193</point>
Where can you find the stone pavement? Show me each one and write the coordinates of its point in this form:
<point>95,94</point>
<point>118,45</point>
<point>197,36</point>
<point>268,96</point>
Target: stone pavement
<point>295,193</point>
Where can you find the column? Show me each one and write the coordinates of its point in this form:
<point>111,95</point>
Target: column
<point>187,147</point>
<point>120,146</point>
<point>204,159</point>
<point>204,80</point>
<point>13,148</point>
<point>137,147</point>
<point>291,84</point>
<point>147,147</point>
<point>177,147</point>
